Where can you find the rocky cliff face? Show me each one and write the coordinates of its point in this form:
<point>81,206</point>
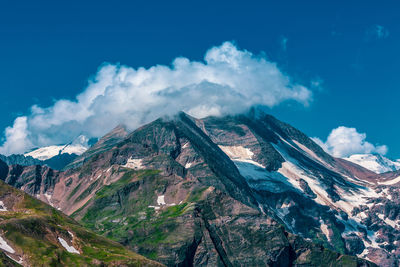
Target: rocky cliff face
<point>330,201</point>
<point>20,160</point>
<point>105,143</point>
<point>234,191</point>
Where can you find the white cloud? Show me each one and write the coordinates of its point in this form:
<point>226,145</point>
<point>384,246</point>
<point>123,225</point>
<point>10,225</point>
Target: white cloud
<point>283,42</point>
<point>377,32</point>
<point>17,137</point>
<point>229,80</point>
<point>344,142</point>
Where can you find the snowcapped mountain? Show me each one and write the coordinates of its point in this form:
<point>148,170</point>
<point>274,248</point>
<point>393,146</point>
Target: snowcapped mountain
<point>78,146</point>
<point>375,162</point>
<point>48,152</point>
<point>208,187</point>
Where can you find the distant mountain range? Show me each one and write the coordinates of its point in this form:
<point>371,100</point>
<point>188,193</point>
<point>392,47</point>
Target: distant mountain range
<point>48,152</point>
<point>233,191</point>
<point>56,157</point>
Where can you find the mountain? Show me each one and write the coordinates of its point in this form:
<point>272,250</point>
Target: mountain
<point>105,143</point>
<point>347,207</point>
<point>232,191</point>
<point>375,162</point>
<point>45,153</point>
<point>57,162</point>
<point>56,157</point>
<point>20,160</point>
<point>35,234</point>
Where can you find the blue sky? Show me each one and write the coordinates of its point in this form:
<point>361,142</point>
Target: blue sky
<point>49,49</point>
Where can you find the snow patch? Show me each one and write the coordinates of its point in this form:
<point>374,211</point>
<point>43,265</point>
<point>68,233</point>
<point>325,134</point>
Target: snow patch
<point>161,200</point>
<point>20,261</point>
<point>294,174</point>
<point>325,230</point>
<point>5,246</point>
<point>2,206</point>
<point>185,145</point>
<point>240,153</point>
<point>188,165</point>
<point>352,199</point>
<point>134,164</point>
<point>388,221</point>
<point>391,182</point>
<point>69,248</point>
<point>309,152</point>
<point>71,234</point>
<point>48,152</point>
<point>48,197</point>
<point>255,173</point>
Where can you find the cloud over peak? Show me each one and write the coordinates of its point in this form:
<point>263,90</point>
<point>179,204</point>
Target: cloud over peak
<point>344,142</point>
<point>228,81</point>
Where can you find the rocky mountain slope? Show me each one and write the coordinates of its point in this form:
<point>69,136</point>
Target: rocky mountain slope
<point>232,191</point>
<point>105,143</point>
<point>315,195</point>
<point>35,234</point>
<point>175,190</point>
<point>20,160</point>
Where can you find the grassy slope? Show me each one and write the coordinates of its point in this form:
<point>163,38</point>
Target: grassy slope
<point>32,227</point>
<point>127,218</point>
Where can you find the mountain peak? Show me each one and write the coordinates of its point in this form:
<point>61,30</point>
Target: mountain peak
<point>374,162</point>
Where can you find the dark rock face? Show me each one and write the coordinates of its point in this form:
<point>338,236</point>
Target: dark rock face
<point>354,244</point>
<point>20,160</point>
<point>310,192</point>
<point>105,143</point>
<point>57,162</point>
<point>33,179</point>
<point>242,130</point>
<point>306,188</point>
<point>3,170</point>
<point>60,161</point>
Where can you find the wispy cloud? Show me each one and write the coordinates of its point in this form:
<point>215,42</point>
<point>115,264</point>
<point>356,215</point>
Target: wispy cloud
<point>283,42</point>
<point>344,142</point>
<point>229,80</point>
<point>376,32</point>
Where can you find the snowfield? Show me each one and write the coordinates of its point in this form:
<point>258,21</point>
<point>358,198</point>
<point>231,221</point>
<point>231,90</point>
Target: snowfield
<point>374,162</point>
<point>48,152</point>
<point>241,154</point>
<point>5,246</point>
<point>135,164</point>
<point>69,248</point>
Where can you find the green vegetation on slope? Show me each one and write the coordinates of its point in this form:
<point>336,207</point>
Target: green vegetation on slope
<point>121,212</point>
<point>32,228</point>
